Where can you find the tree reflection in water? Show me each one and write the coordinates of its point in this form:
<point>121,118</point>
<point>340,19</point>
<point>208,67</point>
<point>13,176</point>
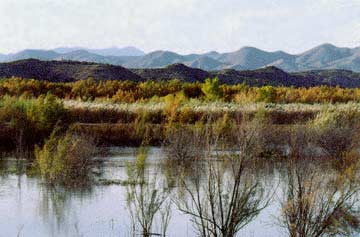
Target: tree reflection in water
<point>55,204</point>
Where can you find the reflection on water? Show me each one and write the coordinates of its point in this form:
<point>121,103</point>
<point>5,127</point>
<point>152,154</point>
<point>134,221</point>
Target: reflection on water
<point>306,199</point>
<point>55,205</point>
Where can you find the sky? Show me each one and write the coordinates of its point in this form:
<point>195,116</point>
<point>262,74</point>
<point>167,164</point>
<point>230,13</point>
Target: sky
<point>182,26</point>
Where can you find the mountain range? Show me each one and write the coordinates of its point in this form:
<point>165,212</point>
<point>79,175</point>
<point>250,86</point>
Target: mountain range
<point>113,51</point>
<point>325,56</point>
<point>69,71</point>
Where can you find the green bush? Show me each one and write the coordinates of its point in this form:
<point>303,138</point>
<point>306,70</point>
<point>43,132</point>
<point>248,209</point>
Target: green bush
<point>65,158</point>
<point>267,94</point>
<point>46,112</point>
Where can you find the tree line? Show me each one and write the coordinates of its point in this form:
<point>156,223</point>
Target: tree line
<point>210,90</point>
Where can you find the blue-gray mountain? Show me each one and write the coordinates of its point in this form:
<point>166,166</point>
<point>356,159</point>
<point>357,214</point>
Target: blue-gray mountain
<point>113,51</point>
<point>325,56</point>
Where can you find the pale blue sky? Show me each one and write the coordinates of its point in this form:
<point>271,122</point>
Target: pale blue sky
<point>183,26</point>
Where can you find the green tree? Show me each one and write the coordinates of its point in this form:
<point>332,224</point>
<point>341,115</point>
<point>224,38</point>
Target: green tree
<point>45,112</point>
<point>267,94</point>
<point>211,89</point>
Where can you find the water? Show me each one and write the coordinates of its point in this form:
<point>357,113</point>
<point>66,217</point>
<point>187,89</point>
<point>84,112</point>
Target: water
<point>28,207</point>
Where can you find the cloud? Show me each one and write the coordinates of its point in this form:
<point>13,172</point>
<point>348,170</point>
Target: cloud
<point>184,26</point>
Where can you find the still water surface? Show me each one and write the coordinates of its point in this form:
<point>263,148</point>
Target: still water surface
<point>28,207</point>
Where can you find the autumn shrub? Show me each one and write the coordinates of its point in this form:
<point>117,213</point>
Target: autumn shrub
<point>340,118</point>
<point>32,119</point>
<point>192,90</point>
<point>173,103</point>
<point>106,89</point>
<point>266,94</point>
<point>224,128</point>
<point>84,89</point>
<point>188,115</point>
<point>126,96</point>
<point>211,89</point>
<point>336,130</point>
<point>144,128</point>
<point>114,134</point>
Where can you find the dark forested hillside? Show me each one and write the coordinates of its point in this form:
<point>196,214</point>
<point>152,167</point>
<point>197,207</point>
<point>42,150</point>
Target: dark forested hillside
<point>67,71</point>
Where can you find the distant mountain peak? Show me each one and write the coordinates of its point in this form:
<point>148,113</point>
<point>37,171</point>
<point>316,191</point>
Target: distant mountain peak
<point>79,51</point>
<point>178,66</point>
<point>162,52</point>
<point>249,48</point>
<point>326,45</point>
<point>324,56</point>
<point>272,68</point>
<point>35,51</point>
<point>212,52</point>
<point>111,51</point>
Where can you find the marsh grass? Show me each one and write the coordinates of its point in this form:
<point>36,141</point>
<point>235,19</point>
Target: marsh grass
<point>191,111</point>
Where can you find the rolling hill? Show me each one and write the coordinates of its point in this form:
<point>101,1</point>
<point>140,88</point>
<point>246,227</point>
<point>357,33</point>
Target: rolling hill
<point>174,71</point>
<point>64,71</point>
<point>68,71</point>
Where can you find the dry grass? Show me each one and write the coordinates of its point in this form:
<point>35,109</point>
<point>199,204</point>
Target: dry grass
<point>201,106</point>
<point>195,110</point>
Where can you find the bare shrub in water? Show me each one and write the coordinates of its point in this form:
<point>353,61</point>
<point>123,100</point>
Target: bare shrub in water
<point>65,158</point>
<point>147,198</point>
<point>318,203</point>
<point>227,197</point>
<point>184,144</point>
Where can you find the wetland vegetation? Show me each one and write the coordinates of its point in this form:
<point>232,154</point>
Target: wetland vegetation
<point>229,158</point>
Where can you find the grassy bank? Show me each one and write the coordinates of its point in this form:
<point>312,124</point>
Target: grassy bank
<point>128,113</point>
<point>29,121</point>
